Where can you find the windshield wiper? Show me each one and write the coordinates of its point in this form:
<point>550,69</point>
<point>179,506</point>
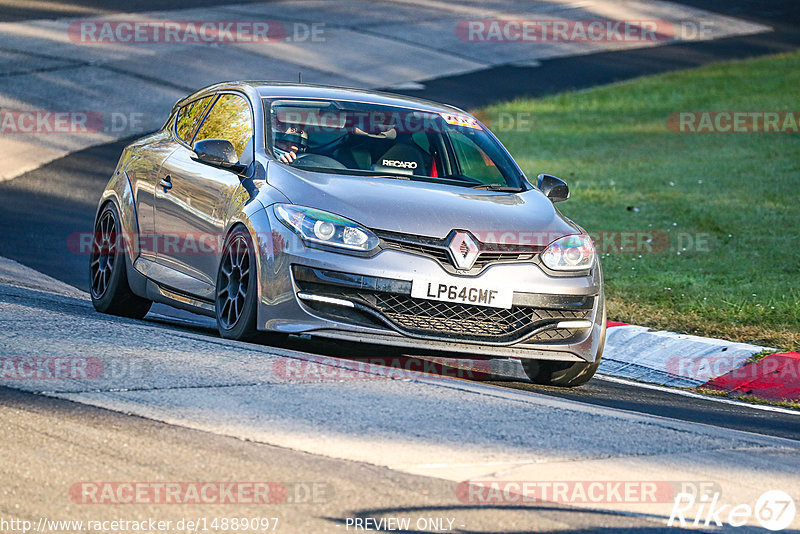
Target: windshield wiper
<point>392,176</point>
<point>352,172</point>
<point>497,187</point>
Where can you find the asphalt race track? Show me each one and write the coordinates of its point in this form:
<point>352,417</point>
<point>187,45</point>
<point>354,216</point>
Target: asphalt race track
<point>70,186</point>
<point>510,81</point>
<point>43,210</point>
<point>68,189</point>
<point>554,75</point>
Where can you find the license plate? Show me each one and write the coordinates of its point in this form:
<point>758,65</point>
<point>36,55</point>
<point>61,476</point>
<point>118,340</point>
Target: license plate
<point>462,292</point>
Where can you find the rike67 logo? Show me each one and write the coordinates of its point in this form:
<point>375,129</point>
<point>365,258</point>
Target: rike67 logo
<point>773,510</point>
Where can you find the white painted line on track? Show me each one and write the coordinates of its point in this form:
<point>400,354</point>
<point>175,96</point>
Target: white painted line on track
<point>685,393</point>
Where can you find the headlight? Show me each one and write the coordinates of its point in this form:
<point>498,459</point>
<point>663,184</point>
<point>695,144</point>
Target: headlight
<point>317,226</point>
<point>570,253</point>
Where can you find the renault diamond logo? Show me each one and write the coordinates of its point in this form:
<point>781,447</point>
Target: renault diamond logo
<point>463,250</point>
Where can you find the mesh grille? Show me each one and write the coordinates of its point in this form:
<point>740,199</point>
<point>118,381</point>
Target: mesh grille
<point>463,321</point>
<point>561,334</point>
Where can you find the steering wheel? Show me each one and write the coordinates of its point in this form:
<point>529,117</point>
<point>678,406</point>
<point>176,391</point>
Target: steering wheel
<point>318,160</point>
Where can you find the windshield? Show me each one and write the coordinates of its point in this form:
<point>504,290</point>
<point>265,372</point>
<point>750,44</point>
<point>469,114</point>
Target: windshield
<point>375,140</point>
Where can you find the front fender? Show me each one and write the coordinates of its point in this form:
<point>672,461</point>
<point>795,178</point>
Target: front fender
<point>254,217</point>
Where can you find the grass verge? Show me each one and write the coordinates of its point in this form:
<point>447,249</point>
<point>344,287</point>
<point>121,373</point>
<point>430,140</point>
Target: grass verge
<point>727,204</point>
<point>752,399</point>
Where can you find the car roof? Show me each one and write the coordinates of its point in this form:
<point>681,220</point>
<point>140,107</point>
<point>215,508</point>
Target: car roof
<point>272,89</point>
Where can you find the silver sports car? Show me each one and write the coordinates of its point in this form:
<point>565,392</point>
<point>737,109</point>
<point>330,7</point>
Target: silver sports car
<point>299,209</point>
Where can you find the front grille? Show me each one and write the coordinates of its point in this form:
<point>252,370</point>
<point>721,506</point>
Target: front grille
<point>437,249</point>
<point>469,322</point>
<point>437,253</point>
<point>440,320</point>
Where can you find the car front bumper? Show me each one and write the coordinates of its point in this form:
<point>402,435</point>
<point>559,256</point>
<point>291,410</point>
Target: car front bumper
<point>305,290</point>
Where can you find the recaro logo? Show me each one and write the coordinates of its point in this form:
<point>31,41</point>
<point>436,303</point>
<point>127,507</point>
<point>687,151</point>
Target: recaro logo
<point>400,164</point>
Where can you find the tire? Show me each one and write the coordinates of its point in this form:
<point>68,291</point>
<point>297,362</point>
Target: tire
<point>108,276</point>
<point>560,374</point>
<point>236,291</point>
<point>564,374</point>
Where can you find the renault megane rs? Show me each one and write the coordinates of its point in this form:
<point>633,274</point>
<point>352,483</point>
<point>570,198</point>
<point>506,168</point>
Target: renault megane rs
<point>352,215</point>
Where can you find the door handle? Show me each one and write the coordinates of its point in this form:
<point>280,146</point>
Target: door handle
<point>166,183</point>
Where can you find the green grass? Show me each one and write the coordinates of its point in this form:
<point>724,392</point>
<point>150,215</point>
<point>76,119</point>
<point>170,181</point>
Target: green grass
<point>741,191</point>
<point>758,400</point>
<point>758,356</point>
<point>752,399</point>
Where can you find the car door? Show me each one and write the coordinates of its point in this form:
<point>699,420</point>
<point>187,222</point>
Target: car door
<point>193,199</point>
<point>146,171</point>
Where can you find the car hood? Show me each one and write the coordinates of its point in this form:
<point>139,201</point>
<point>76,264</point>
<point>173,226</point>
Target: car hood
<point>425,209</point>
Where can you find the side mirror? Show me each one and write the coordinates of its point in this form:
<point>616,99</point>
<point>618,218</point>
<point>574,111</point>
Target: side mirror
<point>219,153</point>
<point>554,188</point>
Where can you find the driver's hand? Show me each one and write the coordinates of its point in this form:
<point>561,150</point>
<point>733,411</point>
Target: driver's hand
<point>289,157</point>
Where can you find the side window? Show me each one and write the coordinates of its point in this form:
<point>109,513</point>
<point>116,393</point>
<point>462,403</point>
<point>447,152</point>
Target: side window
<point>189,117</point>
<point>474,161</point>
<point>229,119</point>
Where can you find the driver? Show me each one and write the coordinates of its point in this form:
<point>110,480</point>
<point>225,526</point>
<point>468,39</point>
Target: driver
<point>289,140</point>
